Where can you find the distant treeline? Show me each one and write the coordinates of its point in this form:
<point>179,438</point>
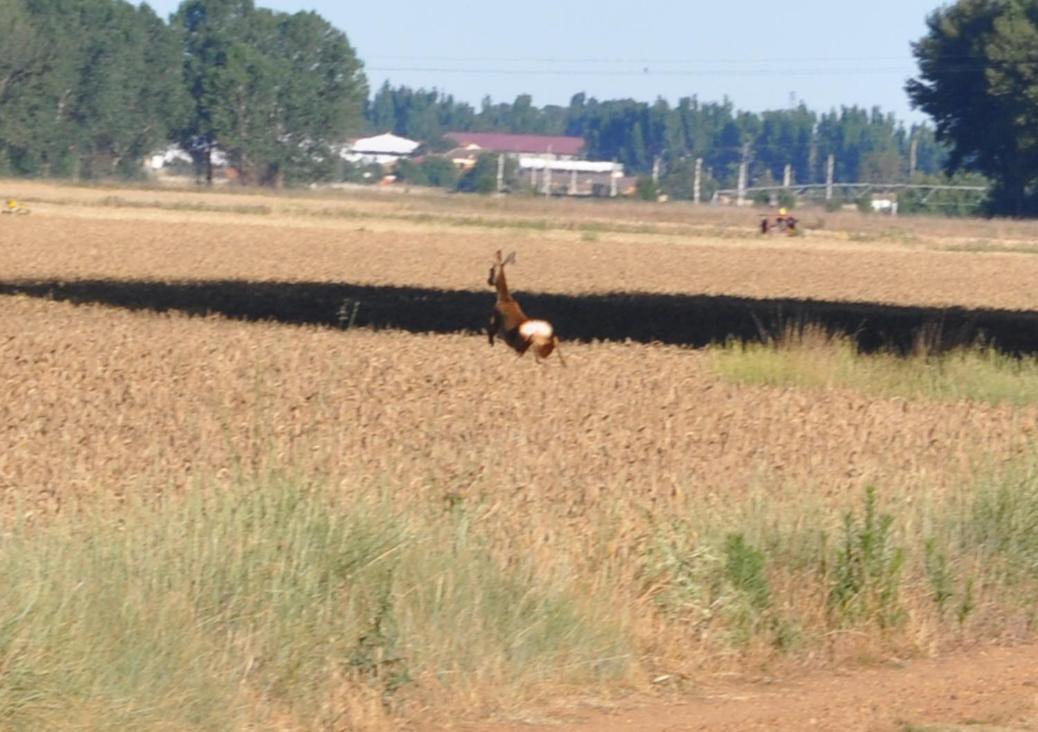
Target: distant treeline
<point>90,88</point>
<point>867,144</point>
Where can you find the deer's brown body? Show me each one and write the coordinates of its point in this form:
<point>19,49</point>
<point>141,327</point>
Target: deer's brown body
<point>509,323</point>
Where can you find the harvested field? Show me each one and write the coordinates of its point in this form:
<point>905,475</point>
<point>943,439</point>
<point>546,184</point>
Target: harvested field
<point>694,523</point>
<point>102,400</point>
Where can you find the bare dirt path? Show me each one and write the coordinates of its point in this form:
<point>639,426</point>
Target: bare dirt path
<point>983,690</point>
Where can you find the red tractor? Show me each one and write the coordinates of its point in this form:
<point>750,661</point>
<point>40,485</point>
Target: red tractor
<point>784,223</point>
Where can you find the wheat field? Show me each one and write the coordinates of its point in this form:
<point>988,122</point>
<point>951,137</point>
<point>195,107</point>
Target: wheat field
<point>156,345</point>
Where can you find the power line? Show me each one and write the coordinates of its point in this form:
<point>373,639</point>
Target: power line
<point>715,67</point>
<point>646,71</point>
<point>743,60</point>
<point>669,61</point>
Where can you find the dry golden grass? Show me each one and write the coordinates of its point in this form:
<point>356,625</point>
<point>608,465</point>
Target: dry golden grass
<point>578,471</point>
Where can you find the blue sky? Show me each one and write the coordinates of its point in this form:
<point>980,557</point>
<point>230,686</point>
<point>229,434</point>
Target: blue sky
<point>761,55</point>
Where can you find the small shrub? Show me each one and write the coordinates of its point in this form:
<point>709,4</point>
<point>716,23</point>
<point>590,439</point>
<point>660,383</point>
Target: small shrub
<point>866,569</point>
<point>786,199</point>
<point>744,570</point>
<point>440,172</point>
<point>645,188</point>
<point>482,177</point>
<point>684,574</point>
<point>967,605</point>
<point>408,171</point>
<point>704,584</point>
<point>937,573</point>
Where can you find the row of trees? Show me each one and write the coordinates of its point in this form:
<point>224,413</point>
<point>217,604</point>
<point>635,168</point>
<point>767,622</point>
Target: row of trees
<point>867,144</point>
<point>89,88</point>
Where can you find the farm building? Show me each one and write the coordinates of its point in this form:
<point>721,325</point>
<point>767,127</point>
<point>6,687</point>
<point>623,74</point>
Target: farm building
<point>552,162</point>
<point>384,149</point>
<point>559,147</point>
<point>574,177</point>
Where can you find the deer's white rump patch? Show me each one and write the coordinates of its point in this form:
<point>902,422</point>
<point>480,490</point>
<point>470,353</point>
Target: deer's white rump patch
<point>531,329</point>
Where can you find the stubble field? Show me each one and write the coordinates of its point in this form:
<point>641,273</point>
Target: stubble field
<point>645,519</point>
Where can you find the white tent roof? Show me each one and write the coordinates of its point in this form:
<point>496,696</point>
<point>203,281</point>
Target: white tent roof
<point>385,144</point>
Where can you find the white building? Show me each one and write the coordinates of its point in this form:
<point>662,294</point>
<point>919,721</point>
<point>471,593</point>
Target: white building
<point>384,149</point>
<point>574,177</point>
<point>884,205</point>
<point>176,154</point>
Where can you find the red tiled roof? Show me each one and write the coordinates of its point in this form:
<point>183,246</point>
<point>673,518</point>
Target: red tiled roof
<point>508,143</point>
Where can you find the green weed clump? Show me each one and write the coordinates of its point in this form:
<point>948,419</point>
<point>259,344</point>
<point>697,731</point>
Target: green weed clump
<point>809,358</point>
<point>274,602</point>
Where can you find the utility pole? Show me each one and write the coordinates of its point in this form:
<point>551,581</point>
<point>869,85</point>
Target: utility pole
<point>573,182</point>
<point>787,176</point>
<point>547,177</point>
<point>830,167</point>
<point>913,156</point>
<point>500,173</point>
<point>656,170</point>
<point>697,181</point>
<point>740,198</point>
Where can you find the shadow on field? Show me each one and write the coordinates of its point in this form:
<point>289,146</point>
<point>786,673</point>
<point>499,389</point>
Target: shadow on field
<point>690,320</point>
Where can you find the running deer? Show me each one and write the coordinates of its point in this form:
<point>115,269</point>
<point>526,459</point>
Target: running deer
<point>511,324</point>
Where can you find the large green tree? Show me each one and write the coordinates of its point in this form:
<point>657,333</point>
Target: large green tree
<point>978,80</point>
<point>129,92</point>
<point>277,92</point>
<point>87,87</point>
<point>23,54</point>
<point>24,58</point>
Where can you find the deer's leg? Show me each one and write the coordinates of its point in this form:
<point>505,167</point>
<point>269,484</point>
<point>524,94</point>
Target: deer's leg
<point>494,327</point>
